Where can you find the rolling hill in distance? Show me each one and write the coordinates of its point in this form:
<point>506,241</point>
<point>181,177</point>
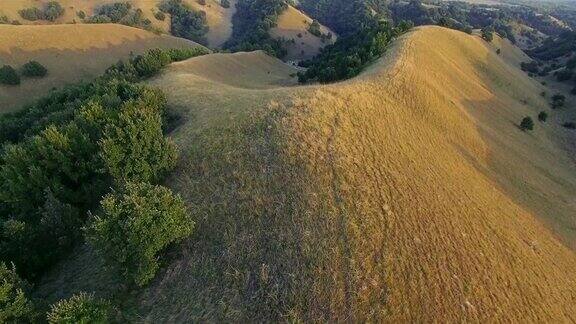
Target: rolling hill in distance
<point>311,162</point>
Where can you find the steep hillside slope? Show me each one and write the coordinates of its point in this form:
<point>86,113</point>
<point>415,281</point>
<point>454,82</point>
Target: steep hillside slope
<point>406,194</point>
<point>293,25</point>
<point>71,53</point>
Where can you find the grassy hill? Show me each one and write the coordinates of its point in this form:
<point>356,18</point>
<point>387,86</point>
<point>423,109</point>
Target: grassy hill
<point>71,53</point>
<point>405,194</point>
<point>293,24</point>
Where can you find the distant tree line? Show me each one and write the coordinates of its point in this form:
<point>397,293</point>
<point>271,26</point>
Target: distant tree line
<point>251,26</point>
<point>186,22</point>
<point>51,11</point>
<point>350,54</point>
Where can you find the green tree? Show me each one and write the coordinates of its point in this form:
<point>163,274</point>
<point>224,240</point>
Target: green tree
<point>134,148</point>
<point>542,116</point>
<point>15,307</point>
<point>33,69</point>
<point>80,309</point>
<point>9,76</point>
<point>225,3</point>
<point>487,34</point>
<point>527,124</point>
<point>135,225</point>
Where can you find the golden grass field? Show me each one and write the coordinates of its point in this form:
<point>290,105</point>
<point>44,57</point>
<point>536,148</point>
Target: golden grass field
<point>71,53</point>
<point>293,22</point>
<point>407,194</point>
<point>219,19</point>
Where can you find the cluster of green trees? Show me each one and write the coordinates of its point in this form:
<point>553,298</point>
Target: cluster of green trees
<point>51,11</point>
<point>119,13</point>
<point>186,22</point>
<point>349,55</point>
<point>9,75</point>
<point>251,25</point>
<point>61,155</point>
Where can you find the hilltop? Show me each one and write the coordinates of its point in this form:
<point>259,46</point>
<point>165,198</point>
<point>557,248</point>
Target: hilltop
<point>71,53</point>
<point>405,194</point>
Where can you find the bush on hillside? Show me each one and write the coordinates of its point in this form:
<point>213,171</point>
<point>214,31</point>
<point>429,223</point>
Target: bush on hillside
<point>225,3</point>
<point>15,307</point>
<point>31,14</point>
<point>135,225</point>
<point>186,22</point>
<point>159,15</point>
<point>80,308</point>
<point>81,14</point>
<point>527,124</point>
<point>9,76</point>
<point>314,28</point>
<point>542,116</point>
<point>558,100</point>
<point>487,34</point>
<point>570,125</point>
<point>564,75</point>
<point>134,148</point>
<point>52,11</point>
<point>33,69</point>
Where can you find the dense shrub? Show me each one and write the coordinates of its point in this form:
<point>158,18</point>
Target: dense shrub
<point>9,76</point>
<point>121,13</point>
<point>314,28</point>
<point>542,116</point>
<point>80,308</point>
<point>134,148</point>
<point>159,15</point>
<point>558,101</point>
<point>527,124</point>
<point>570,125</point>
<point>135,225</point>
<point>186,22</point>
<point>487,34</point>
<point>81,14</point>
<point>564,75</point>
<point>15,307</point>
<point>52,11</point>
<point>33,69</point>
<point>225,3</point>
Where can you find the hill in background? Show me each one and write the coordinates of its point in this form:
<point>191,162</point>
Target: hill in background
<point>71,53</point>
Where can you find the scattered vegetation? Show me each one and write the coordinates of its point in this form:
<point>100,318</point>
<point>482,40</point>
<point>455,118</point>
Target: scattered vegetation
<point>120,13</point>
<point>9,76</point>
<point>527,124</point>
<point>186,22</point>
<point>80,308</point>
<point>487,34</point>
<point>558,101</point>
<point>135,225</point>
<point>33,69</point>
<point>51,11</point>
<point>542,116</point>
<point>349,55</point>
<point>569,125</point>
<point>225,3</point>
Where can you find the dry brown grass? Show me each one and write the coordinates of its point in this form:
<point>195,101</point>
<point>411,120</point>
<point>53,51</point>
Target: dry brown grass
<point>407,194</point>
<point>219,19</point>
<point>71,53</point>
<point>293,22</point>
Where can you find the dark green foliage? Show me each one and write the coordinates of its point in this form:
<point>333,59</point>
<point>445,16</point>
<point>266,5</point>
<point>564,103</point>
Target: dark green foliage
<point>9,76</point>
<point>160,15</point>
<point>558,101</point>
<point>564,75</point>
<point>121,13</point>
<point>135,225</point>
<point>349,55</point>
<point>81,14</point>
<point>186,22</point>
<point>527,124</point>
<point>80,308</point>
<point>51,11</point>
<point>531,67</point>
<point>33,69</point>
<point>69,148</point>
<point>251,25</point>
<point>15,306</point>
<point>498,51</point>
<point>133,148</point>
<point>225,3</point>
<point>570,125</point>
<point>487,34</point>
<point>542,116</point>
<point>4,20</point>
<point>314,28</point>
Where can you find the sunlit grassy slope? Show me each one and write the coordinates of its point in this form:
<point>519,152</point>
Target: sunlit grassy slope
<point>293,24</point>
<point>219,19</point>
<point>71,53</point>
<point>405,194</point>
